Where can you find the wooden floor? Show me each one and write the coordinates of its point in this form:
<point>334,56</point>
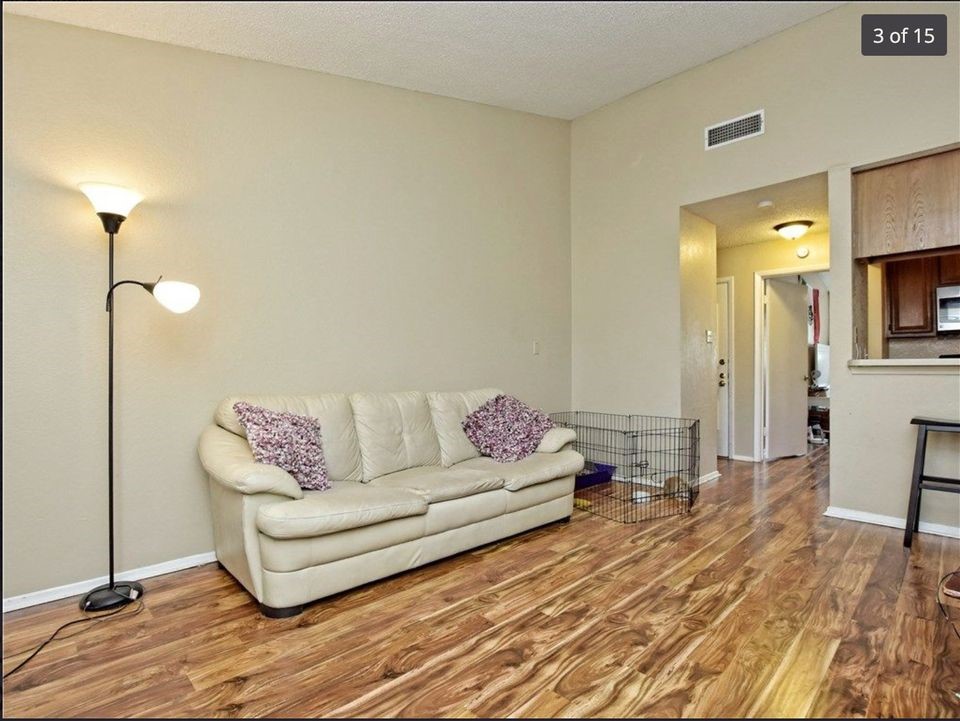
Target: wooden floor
<point>755,604</point>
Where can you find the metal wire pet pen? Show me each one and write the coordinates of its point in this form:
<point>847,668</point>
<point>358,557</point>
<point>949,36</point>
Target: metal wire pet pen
<point>637,467</point>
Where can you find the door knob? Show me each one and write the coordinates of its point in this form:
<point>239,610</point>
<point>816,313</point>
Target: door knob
<point>723,383</point>
<point>722,362</point>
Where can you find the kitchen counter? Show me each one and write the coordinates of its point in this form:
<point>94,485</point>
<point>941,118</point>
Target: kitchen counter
<point>906,366</point>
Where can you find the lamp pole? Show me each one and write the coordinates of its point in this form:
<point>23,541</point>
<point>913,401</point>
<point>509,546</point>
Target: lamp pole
<point>112,204</point>
<point>110,413</point>
<point>112,594</point>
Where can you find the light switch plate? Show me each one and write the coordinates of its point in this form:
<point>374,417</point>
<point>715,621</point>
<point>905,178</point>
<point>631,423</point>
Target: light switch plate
<point>709,336</point>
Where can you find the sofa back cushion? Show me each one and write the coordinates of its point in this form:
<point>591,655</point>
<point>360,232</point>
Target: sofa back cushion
<point>341,447</point>
<point>395,431</point>
<point>449,409</point>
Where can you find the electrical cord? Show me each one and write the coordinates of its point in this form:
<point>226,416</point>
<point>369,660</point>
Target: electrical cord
<point>54,636</point>
<point>104,616</point>
<point>943,609</point>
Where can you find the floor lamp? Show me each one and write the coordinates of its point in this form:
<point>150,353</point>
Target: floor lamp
<point>113,204</point>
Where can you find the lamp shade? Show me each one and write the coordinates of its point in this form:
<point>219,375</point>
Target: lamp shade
<point>794,229</point>
<point>111,198</point>
<point>176,296</point>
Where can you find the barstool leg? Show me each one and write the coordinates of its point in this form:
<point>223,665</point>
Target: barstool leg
<point>913,509</point>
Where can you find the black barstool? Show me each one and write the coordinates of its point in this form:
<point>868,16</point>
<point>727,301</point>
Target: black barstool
<point>921,481</point>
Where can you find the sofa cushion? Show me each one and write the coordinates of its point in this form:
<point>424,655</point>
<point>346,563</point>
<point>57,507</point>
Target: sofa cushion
<point>507,429</point>
<point>555,439</point>
<point>395,431</point>
<point>294,554</point>
<point>347,505</point>
<point>449,409</point>
<point>438,484</point>
<point>538,468</point>
<point>338,434</point>
<point>287,440</point>
<point>461,512</point>
<point>539,494</point>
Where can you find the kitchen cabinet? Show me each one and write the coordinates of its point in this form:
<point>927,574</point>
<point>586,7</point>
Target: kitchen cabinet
<point>906,207</point>
<point>910,288</point>
<point>950,269</point>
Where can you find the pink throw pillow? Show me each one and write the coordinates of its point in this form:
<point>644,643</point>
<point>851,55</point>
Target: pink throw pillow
<point>506,429</point>
<point>287,440</point>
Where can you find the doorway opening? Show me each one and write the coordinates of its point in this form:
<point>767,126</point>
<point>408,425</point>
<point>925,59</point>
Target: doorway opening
<point>792,380</point>
<point>725,367</point>
<point>760,405</point>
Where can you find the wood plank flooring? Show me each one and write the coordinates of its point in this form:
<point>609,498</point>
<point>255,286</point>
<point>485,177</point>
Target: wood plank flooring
<point>754,604</point>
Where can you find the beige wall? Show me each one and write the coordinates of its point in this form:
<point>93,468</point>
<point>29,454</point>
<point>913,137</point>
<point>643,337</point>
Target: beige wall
<point>876,342</point>
<point>636,161</point>
<point>871,439</point>
<point>698,312</point>
<point>345,236</point>
<point>742,262</point>
<point>348,235</point>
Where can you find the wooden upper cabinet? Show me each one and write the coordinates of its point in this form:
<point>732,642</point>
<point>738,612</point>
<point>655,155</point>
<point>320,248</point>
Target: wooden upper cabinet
<point>950,269</point>
<point>910,288</point>
<point>908,206</point>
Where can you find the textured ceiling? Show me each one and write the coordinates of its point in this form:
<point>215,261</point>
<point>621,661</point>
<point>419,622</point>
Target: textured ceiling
<point>740,222</point>
<point>560,59</point>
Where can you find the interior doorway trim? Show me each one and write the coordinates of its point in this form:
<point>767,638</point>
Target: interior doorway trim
<point>759,346</point>
<point>728,280</point>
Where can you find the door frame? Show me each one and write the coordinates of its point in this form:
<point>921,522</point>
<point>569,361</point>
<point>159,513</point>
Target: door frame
<point>728,280</point>
<point>760,348</point>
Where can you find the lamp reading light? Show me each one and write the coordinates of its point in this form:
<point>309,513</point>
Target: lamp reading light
<point>793,229</point>
<point>175,295</point>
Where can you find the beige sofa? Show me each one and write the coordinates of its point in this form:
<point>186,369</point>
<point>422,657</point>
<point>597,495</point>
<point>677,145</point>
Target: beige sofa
<point>408,488</point>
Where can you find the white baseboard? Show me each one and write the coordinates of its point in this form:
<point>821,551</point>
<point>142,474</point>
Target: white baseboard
<point>178,564</point>
<point>748,459</point>
<point>709,477</point>
<point>848,514</point>
<point>135,574</point>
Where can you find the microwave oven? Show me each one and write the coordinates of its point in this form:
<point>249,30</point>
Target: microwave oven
<point>948,308</point>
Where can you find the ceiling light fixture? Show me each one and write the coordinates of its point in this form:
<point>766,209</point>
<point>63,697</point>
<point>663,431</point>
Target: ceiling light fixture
<point>793,229</point>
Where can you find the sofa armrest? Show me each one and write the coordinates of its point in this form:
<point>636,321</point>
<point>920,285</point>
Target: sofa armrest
<point>556,440</point>
<point>228,459</point>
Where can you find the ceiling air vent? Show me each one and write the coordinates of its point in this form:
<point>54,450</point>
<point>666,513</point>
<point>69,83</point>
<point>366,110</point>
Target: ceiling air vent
<point>730,131</point>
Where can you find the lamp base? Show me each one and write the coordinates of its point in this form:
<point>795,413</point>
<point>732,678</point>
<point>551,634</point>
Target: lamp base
<point>106,597</point>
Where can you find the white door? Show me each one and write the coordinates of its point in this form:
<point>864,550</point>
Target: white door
<point>723,369</point>
<point>785,367</point>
